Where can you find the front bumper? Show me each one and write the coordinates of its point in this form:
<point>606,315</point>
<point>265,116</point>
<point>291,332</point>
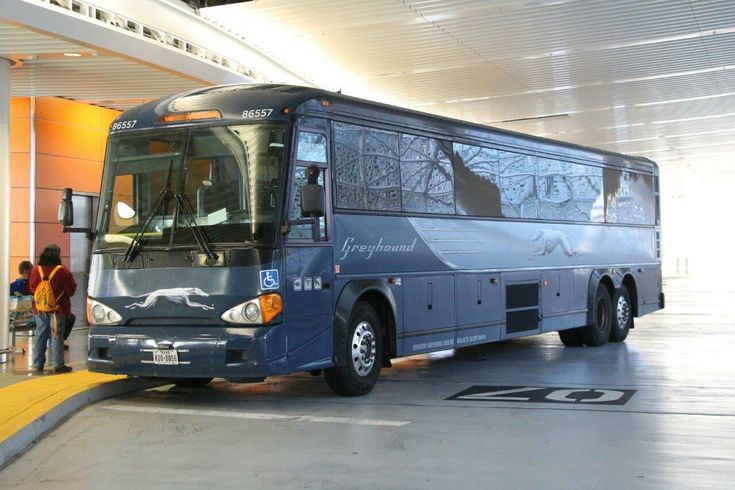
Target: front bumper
<point>203,351</point>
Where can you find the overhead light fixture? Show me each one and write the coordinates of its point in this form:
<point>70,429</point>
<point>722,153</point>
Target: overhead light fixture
<point>73,55</point>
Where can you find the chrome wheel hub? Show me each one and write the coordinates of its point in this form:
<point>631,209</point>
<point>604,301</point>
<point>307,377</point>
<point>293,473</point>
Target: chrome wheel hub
<point>364,348</point>
<point>623,311</point>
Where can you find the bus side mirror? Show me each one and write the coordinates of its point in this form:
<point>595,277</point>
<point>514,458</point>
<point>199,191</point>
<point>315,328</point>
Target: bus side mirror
<point>312,200</point>
<point>66,208</point>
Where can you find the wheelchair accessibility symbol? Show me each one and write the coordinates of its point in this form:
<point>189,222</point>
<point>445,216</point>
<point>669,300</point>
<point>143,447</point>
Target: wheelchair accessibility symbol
<point>269,279</point>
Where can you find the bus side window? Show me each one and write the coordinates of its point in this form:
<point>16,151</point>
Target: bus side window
<point>312,147</point>
<point>303,232</point>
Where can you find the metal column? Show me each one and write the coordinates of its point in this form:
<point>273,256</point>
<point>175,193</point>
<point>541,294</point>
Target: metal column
<point>4,202</point>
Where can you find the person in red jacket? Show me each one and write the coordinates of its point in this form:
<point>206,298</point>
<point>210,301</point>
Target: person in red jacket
<point>52,323</point>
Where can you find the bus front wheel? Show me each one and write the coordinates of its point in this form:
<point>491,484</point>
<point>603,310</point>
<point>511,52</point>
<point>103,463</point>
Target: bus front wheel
<point>363,354</point>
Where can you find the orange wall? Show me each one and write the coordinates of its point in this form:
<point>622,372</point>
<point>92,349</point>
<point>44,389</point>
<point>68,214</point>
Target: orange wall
<point>70,147</point>
<point>20,143</point>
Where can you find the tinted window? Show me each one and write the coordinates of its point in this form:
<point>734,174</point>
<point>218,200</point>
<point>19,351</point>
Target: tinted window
<point>477,181</point>
<point>569,191</point>
<point>518,185</point>
<point>366,167</point>
<point>303,231</point>
<point>312,147</point>
<point>426,176</point>
<point>629,197</point>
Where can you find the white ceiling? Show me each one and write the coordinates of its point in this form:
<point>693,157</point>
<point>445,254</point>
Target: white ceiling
<point>94,77</point>
<point>653,78</point>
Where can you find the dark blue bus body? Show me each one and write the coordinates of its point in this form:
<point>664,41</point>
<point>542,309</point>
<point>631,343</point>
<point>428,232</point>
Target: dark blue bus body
<point>436,234</point>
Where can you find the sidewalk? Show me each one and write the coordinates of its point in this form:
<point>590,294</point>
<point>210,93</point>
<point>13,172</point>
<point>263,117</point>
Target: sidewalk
<point>32,404</point>
<point>19,366</point>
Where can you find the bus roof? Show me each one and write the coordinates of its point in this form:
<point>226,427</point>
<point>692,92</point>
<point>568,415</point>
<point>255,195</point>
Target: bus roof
<point>275,102</point>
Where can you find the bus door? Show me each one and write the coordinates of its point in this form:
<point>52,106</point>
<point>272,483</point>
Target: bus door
<point>308,268</point>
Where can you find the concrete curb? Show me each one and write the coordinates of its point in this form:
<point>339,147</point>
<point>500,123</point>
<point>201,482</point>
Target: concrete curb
<point>19,442</point>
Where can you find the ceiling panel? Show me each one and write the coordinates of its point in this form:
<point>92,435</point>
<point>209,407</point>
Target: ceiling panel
<point>96,77</point>
<point>653,77</point>
<point>15,41</point>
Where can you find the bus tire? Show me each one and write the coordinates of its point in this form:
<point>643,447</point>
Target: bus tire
<point>570,337</point>
<point>364,352</point>
<point>622,319</point>
<point>598,332</point>
<point>192,382</point>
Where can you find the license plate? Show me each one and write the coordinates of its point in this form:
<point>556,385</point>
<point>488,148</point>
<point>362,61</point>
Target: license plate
<point>165,356</point>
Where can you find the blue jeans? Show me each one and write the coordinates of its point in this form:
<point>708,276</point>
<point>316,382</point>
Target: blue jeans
<point>44,330</point>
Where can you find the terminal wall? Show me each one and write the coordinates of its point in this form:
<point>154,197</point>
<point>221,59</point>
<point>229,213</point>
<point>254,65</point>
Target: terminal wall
<point>20,170</point>
<point>69,151</point>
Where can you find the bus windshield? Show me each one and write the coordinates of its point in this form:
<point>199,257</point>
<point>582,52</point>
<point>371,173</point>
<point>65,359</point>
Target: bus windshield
<point>228,178</point>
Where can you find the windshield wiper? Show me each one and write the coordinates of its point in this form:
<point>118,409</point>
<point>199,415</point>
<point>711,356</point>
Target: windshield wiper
<point>135,245</point>
<point>201,238</point>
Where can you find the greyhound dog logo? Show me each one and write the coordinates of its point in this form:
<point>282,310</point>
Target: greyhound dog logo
<point>550,239</point>
<point>178,296</point>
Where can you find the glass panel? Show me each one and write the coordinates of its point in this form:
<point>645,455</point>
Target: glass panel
<point>140,168</point>
<point>381,170</point>
<point>611,184</point>
<point>312,147</point>
<point>232,181</point>
<point>629,197</point>
<point>518,185</point>
<point>123,210</point>
<point>366,168</point>
<point>350,184</point>
<point>229,180</point>
<point>303,231</point>
<point>567,191</point>
<point>477,181</point>
<point>427,178</point>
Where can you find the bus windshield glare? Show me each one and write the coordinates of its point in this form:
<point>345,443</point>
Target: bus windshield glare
<point>228,176</point>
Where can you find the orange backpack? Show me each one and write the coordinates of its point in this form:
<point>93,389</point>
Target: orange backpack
<point>44,297</point>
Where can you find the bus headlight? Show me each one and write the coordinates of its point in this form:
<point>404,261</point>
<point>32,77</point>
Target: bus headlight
<point>252,312</point>
<point>260,310</point>
<point>99,314</point>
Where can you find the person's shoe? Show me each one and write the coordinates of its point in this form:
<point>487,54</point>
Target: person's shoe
<point>62,369</point>
<point>38,369</point>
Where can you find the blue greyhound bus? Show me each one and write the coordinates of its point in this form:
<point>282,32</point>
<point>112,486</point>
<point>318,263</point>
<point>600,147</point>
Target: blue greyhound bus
<point>254,230</point>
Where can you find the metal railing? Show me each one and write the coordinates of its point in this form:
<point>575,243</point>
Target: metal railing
<point>115,20</point>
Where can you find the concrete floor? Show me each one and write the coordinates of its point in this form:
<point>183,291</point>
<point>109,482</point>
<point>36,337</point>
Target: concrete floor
<point>677,430</point>
<point>19,367</point>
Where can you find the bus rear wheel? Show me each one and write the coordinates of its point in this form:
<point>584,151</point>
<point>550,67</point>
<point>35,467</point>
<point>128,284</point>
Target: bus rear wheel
<point>363,354</point>
<point>622,320</point>
<point>570,337</point>
<point>598,332</point>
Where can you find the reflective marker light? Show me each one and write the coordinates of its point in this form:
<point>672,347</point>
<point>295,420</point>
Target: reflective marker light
<point>270,306</point>
<point>190,116</point>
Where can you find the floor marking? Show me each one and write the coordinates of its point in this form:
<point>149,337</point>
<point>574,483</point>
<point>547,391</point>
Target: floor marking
<point>258,416</point>
<point>589,396</point>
